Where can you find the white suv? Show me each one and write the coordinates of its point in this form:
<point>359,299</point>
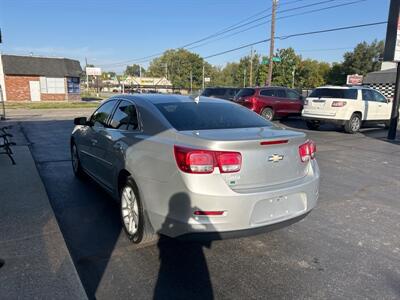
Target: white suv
<point>350,107</point>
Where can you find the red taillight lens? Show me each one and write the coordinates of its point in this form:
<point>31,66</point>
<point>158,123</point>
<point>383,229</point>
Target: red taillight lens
<point>307,151</point>
<point>208,213</point>
<point>229,162</point>
<point>204,161</point>
<point>338,103</point>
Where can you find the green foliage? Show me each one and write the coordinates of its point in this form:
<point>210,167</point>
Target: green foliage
<point>134,70</point>
<point>282,73</point>
<point>364,58</point>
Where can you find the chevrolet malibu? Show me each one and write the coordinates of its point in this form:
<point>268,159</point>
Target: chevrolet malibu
<point>190,167</point>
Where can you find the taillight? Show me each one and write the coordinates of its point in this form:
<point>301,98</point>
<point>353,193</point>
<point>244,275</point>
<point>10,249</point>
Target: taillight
<point>307,151</point>
<point>338,103</point>
<point>204,161</point>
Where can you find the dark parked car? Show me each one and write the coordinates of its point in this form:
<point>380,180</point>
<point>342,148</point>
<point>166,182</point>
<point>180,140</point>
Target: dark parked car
<point>271,102</point>
<point>226,93</point>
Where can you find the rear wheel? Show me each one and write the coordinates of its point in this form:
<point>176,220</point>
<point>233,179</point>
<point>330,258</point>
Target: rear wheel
<point>136,225</point>
<point>354,124</point>
<point>268,113</point>
<point>313,125</point>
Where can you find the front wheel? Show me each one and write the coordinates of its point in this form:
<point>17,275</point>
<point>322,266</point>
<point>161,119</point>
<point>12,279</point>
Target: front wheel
<point>76,163</point>
<point>354,124</point>
<point>136,226</point>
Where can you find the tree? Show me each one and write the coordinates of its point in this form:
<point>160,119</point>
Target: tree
<point>282,73</point>
<point>177,66</point>
<point>134,70</point>
<point>311,73</point>
<point>364,58</point>
<point>336,75</point>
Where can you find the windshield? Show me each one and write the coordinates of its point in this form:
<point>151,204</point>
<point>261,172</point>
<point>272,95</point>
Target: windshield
<point>334,93</point>
<point>206,115</point>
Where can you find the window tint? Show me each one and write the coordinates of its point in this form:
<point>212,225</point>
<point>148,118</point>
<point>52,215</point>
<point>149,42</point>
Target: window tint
<point>280,93</point>
<point>367,95</point>
<point>125,117</point>
<point>206,115</point>
<point>213,92</point>
<point>100,116</point>
<point>379,97</point>
<point>232,92</point>
<point>245,92</point>
<point>292,95</point>
<point>268,93</point>
<point>334,93</point>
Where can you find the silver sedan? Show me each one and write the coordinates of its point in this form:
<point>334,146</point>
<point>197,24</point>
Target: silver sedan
<point>195,167</point>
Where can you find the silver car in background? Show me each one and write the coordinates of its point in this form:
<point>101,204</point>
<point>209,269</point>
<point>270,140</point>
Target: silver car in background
<point>191,167</point>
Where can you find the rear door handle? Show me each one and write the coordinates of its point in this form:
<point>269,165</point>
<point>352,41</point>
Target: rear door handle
<point>94,141</point>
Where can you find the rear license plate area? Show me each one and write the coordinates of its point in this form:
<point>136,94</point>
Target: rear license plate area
<point>281,207</point>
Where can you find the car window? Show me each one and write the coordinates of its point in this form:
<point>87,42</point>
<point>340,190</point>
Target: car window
<point>245,92</point>
<point>379,97</point>
<point>125,117</point>
<point>334,93</point>
<point>214,92</point>
<point>207,115</point>
<point>280,93</point>
<point>269,93</point>
<point>292,95</point>
<point>232,92</point>
<point>100,116</point>
<point>367,95</point>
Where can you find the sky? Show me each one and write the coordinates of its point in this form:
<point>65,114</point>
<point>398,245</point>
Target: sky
<point>112,34</point>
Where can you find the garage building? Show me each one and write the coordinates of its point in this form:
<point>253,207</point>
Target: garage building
<point>31,78</point>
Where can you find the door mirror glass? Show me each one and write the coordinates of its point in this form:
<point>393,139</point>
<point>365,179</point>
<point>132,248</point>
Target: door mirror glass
<point>80,121</point>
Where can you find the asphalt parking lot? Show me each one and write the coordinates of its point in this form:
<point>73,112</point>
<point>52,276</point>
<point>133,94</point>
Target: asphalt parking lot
<point>348,247</point>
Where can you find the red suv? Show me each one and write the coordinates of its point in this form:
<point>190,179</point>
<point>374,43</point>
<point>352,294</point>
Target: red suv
<point>271,102</point>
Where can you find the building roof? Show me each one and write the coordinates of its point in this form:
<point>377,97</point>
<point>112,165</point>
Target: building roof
<point>382,77</point>
<point>40,66</point>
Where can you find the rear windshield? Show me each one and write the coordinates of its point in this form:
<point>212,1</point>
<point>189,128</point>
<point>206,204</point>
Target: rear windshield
<point>245,93</point>
<point>334,93</point>
<point>213,92</point>
<point>206,115</point>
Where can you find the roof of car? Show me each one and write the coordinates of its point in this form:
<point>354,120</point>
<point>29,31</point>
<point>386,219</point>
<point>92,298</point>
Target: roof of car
<point>166,98</point>
<point>357,87</point>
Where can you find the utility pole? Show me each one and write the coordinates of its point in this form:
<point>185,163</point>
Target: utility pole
<point>293,73</point>
<point>191,82</point>
<point>203,75</point>
<point>140,71</point>
<point>166,70</point>
<point>244,77</point>
<point>87,76</point>
<point>272,42</point>
<point>251,67</point>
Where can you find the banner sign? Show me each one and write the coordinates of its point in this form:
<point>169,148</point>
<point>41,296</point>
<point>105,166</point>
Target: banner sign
<point>354,79</point>
<point>392,44</point>
<point>93,71</point>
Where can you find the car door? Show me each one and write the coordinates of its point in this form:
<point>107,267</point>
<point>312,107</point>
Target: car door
<point>120,135</point>
<point>384,106</point>
<point>92,144</point>
<point>294,102</point>
<point>270,99</point>
<point>371,110</point>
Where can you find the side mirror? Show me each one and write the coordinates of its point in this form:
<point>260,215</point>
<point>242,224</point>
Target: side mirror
<point>81,121</point>
<point>388,100</point>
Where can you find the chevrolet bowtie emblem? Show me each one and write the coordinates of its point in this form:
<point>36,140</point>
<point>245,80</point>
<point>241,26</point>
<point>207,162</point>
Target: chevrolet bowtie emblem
<point>275,158</point>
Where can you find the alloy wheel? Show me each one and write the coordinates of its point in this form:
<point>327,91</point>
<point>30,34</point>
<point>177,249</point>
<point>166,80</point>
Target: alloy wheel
<point>130,210</point>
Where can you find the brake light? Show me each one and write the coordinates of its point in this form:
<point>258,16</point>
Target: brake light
<point>208,213</point>
<point>204,161</point>
<point>307,151</point>
<point>338,103</point>
<point>274,142</point>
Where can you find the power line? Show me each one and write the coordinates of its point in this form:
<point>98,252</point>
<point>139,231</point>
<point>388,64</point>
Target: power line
<point>295,35</point>
<point>223,31</point>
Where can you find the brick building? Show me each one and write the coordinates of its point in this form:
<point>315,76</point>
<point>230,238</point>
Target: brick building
<point>30,78</point>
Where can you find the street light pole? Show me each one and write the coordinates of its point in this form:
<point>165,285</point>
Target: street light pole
<point>191,82</point>
<point>272,42</point>
<point>203,75</point>
<point>394,118</point>
<point>251,67</point>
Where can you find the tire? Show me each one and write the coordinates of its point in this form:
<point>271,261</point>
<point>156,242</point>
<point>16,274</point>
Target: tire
<point>353,125</point>
<point>312,125</point>
<point>133,217</point>
<point>76,163</point>
<point>268,113</point>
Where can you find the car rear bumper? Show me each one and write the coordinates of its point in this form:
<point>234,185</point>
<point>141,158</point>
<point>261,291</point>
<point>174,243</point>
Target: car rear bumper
<point>323,119</point>
<point>245,213</point>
